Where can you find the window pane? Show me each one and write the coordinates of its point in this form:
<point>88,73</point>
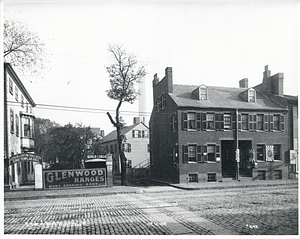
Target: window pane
<point>260,152</point>
<point>227,121</point>
<point>260,121</point>
<point>191,120</point>
<point>192,152</point>
<point>245,121</point>
<point>276,122</point>
<point>210,119</point>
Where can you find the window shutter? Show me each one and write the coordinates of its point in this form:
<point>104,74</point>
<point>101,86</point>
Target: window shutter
<point>239,121</point>
<point>254,122</point>
<point>198,121</point>
<point>250,122</point>
<point>221,121</point>
<point>129,148</point>
<point>204,153</point>
<point>266,123</point>
<point>217,151</point>
<point>282,122</point>
<point>176,122</point>
<point>271,118</point>
<point>204,121</point>
<point>199,153</point>
<point>185,153</point>
<point>217,121</point>
<point>234,121</point>
<point>184,122</point>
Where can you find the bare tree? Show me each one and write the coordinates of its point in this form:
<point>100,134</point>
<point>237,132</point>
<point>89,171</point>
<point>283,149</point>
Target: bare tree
<point>124,74</point>
<point>23,49</point>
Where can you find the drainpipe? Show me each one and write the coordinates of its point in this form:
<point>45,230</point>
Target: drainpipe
<point>237,151</point>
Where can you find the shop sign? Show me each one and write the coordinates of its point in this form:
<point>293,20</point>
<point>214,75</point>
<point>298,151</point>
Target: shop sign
<point>75,178</point>
<point>25,157</point>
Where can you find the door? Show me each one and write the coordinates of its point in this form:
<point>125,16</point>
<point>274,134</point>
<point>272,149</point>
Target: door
<point>228,159</point>
<point>245,165</point>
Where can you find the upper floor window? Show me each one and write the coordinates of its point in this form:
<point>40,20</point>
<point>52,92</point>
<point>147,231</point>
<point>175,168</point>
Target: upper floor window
<point>227,121</point>
<point>251,95</point>
<point>16,93</point>
<point>22,101</point>
<point>203,93</point>
<point>277,151</point>
<point>163,100</point>
<point>174,124</point>
<point>210,121</point>
<point>260,122</point>
<point>17,125</point>
<point>140,134</point>
<point>126,147</point>
<point>245,122</point>
<point>276,121</point>
<point>11,90</point>
<point>12,121</point>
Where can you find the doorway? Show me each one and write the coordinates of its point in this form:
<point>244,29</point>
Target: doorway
<point>245,165</point>
<point>228,158</point>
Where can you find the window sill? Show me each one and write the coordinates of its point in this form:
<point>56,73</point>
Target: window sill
<point>192,130</point>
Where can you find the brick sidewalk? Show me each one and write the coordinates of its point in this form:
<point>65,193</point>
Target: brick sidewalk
<point>28,193</point>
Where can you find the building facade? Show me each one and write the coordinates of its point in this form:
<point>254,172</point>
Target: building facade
<point>135,146</point>
<point>18,130</point>
<point>208,133</point>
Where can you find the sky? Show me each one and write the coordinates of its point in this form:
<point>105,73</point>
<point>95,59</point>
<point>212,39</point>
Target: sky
<point>216,43</point>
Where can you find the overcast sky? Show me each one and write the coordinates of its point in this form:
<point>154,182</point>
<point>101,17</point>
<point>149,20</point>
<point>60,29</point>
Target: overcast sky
<point>211,43</point>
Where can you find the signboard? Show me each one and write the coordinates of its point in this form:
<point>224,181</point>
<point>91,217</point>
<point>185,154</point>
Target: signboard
<point>25,157</point>
<point>237,155</point>
<point>75,178</point>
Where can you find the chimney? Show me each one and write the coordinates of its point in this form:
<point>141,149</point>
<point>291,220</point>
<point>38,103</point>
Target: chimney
<point>244,83</point>
<point>136,120</point>
<point>277,84</point>
<point>155,80</point>
<point>169,76</point>
<point>267,72</point>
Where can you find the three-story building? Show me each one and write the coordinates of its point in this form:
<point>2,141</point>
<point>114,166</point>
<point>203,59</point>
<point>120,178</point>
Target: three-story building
<point>207,133</point>
<point>18,130</point>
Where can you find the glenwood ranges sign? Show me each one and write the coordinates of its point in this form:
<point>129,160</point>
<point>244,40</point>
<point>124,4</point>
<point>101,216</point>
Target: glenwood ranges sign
<point>75,178</point>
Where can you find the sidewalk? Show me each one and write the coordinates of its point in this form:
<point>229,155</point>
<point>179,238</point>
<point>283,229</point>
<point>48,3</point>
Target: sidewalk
<point>28,193</point>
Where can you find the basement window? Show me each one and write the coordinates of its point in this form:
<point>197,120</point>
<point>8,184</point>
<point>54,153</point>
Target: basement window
<point>193,178</point>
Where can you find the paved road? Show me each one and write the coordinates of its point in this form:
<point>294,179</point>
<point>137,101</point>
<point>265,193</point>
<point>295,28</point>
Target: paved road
<point>161,211</point>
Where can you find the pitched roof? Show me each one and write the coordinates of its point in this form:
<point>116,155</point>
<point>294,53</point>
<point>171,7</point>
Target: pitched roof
<point>221,97</point>
<point>113,135</point>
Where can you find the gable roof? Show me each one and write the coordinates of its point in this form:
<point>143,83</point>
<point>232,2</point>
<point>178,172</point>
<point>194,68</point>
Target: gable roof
<point>221,97</point>
<point>113,135</point>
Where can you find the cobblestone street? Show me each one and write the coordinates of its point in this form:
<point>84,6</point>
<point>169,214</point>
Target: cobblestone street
<point>160,211</point>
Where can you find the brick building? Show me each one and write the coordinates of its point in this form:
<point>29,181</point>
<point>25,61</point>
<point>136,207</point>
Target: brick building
<point>195,131</point>
<point>18,131</point>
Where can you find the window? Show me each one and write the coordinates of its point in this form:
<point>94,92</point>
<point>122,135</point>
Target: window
<point>12,121</point>
<point>128,163</point>
<point>163,100</point>
<point>260,152</point>
<point>276,121</point>
<point>126,147</point>
<point>261,174</point>
<point>16,94</point>
<point>157,104</point>
<point>22,101</point>
<point>227,121</point>
<point>251,96</point>
<point>252,122</point>
<point>192,153</point>
<point>276,152</point>
<point>173,123</point>
<point>17,125</point>
<point>210,121</point>
<point>11,90</point>
<point>189,153</point>
<point>260,122</point>
<point>245,122</point>
<point>211,177</point>
<point>203,94</point>
<point>111,149</point>
<point>144,134</point>
<point>211,153</point>
<point>136,134</point>
<point>277,174</point>
<point>193,177</point>
<point>191,121</point>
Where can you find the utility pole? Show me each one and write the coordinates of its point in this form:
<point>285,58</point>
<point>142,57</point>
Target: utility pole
<point>237,151</point>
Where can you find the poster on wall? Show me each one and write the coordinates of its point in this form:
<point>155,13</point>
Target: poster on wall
<point>75,178</point>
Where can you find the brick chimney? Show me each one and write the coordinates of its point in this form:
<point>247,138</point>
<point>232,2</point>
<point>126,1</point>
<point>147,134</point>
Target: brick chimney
<point>277,84</point>
<point>169,76</point>
<point>155,80</point>
<point>244,83</point>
